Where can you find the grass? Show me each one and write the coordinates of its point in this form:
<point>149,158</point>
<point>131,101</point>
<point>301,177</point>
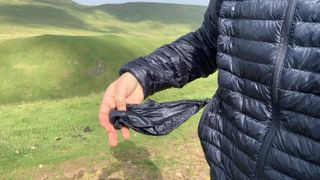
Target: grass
<point>51,66</point>
<point>21,18</point>
<point>48,134</point>
<point>58,49</point>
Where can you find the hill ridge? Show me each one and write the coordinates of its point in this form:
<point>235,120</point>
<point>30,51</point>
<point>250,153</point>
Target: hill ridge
<point>156,3</point>
<point>57,49</point>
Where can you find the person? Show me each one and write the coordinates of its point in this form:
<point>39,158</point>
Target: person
<point>263,121</point>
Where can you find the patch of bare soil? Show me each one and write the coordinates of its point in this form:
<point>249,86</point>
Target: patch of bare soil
<point>138,163</point>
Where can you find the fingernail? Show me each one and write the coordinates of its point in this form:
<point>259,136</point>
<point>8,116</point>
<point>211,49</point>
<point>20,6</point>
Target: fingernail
<point>122,108</point>
<point>127,136</point>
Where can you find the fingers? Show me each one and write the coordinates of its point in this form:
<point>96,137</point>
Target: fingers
<point>120,102</point>
<point>106,106</point>
<point>113,137</point>
<point>120,97</point>
<point>104,110</point>
<point>114,97</point>
<point>125,132</point>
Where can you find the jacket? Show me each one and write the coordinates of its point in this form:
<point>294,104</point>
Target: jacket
<point>263,122</point>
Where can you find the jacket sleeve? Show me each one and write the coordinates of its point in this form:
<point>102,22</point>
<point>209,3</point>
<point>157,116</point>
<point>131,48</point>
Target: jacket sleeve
<point>189,57</point>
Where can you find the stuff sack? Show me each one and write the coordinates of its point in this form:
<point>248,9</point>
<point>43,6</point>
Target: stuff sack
<point>153,118</point>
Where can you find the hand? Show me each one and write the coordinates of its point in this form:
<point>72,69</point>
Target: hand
<point>126,89</point>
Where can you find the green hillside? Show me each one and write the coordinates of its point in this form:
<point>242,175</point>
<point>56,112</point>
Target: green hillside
<point>35,17</point>
<point>57,49</point>
<point>163,13</point>
<point>47,139</point>
<point>52,66</point>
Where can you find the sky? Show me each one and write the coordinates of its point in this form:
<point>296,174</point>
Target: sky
<point>99,2</point>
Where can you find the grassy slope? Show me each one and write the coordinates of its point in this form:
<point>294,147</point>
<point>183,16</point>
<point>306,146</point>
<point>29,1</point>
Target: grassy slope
<point>51,66</point>
<point>28,138</point>
<point>22,18</point>
<point>58,49</point>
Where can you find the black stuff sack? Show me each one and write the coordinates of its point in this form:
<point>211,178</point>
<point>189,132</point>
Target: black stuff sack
<point>156,119</point>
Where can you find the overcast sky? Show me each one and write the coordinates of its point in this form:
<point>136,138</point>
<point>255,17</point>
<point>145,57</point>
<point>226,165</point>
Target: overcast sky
<point>99,2</point>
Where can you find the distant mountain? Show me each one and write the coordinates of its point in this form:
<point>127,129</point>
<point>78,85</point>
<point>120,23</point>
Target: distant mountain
<point>53,49</point>
<point>164,13</point>
<point>68,14</point>
<point>100,2</point>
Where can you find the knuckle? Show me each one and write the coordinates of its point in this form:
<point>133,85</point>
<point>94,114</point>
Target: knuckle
<point>119,100</point>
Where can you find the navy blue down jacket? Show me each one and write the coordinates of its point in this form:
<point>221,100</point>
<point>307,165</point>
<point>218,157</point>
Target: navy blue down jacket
<point>263,122</point>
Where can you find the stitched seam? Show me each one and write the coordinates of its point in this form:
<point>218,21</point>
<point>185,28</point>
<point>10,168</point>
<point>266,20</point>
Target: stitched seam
<point>206,142</point>
<point>291,129</point>
<point>236,1</point>
<point>251,119</point>
<point>243,77</point>
<point>241,59</point>
<point>250,0</point>
<point>235,108</point>
<point>281,173</point>
<point>261,101</point>
<point>304,71</point>
<point>302,136</point>
<point>305,93</point>
<point>231,142</point>
<point>301,46</point>
<point>308,22</point>
<point>233,55</point>
<point>241,131</point>
<point>230,159</point>
<point>216,165</point>
<point>291,110</point>
<point>222,117</point>
<point>228,139</point>
<point>245,80</point>
<point>250,40</point>
<point>248,19</point>
<point>293,156</point>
